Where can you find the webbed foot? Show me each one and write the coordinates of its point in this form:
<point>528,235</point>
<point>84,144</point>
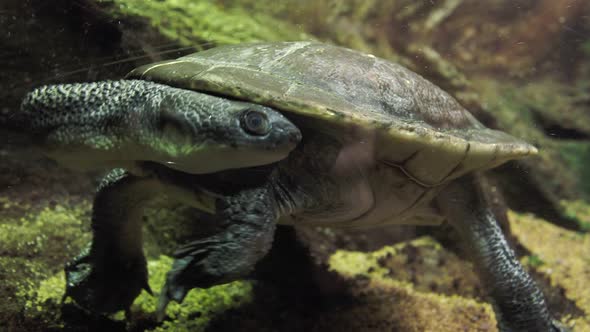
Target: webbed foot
<point>198,264</point>
<point>105,285</point>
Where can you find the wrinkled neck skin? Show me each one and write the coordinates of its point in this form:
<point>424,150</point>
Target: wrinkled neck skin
<point>330,182</point>
<point>288,194</point>
<point>311,189</point>
<point>87,126</point>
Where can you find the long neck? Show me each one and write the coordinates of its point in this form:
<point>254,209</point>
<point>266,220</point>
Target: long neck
<point>80,104</point>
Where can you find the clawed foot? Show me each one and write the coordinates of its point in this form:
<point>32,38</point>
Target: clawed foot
<point>187,272</point>
<point>200,264</point>
<point>169,293</point>
<point>105,285</point>
<point>179,281</point>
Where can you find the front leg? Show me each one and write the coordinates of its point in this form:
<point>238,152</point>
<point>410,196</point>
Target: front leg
<point>108,275</point>
<point>520,305</point>
<point>248,220</point>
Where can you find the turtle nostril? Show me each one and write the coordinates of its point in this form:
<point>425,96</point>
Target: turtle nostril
<point>295,137</point>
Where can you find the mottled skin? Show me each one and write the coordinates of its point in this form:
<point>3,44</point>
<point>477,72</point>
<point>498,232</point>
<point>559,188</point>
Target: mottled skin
<point>340,174</point>
<point>82,127</point>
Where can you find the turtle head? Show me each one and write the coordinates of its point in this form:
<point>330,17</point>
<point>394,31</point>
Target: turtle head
<point>199,133</point>
<point>120,123</point>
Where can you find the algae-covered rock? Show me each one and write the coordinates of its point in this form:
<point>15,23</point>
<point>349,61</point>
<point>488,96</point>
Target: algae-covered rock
<point>34,246</point>
<point>412,286</point>
<point>86,40</point>
<point>198,309</point>
<point>563,257</point>
<point>551,117</point>
<point>579,211</point>
<point>207,21</point>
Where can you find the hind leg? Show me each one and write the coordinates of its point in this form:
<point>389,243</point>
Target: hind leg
<point>520,304</point>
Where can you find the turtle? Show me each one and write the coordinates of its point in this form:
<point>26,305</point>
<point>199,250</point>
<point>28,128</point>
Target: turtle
<point>336,138</point>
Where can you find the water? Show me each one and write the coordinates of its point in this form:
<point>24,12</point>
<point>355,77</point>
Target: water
<point>521,67</point>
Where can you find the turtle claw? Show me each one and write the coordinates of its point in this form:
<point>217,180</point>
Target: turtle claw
<point>162,304</point>
<point>106,285</point>
<point>185,269</point>
<point>199,264</point>
<point>168,294</point>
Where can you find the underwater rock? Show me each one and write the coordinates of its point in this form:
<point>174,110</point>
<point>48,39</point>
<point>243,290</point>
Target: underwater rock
<point>561,256</point>
<point>412,286</point>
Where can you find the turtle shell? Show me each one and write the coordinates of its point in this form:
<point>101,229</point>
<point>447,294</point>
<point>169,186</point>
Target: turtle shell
<point>416,126</point>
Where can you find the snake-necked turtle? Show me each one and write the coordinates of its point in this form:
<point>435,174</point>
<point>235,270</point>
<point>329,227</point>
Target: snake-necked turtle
<point>378,144</point>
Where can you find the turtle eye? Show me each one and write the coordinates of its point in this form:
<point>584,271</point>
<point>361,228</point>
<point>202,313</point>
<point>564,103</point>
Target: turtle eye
<point>255,123</point>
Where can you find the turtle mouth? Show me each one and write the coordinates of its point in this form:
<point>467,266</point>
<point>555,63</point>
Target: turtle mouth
<point>284,136</point>
<point>295,137</point>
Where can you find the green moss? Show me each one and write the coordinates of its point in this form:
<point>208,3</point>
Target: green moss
<point>47,236</point>
<point>200,305</point>
<point>194,314</point>
<point>191,22</point>
<point>523,109</point>
<point>35,245</point>
<point>533,261</point>
<point>18,282</point>
<point>580,211</point>
<point>44,301</point>
<point>42,234</point>
<point>417,263</point>
<point>367,264</point>
<point>412,286</point>
<point>566,255</point>
<point>510,108</point>
<point>529,112</point>
<point>576,155</point>
<point>7,204</point>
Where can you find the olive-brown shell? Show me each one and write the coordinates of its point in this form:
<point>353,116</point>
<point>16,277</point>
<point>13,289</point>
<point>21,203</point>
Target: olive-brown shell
<point>414,124</point>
